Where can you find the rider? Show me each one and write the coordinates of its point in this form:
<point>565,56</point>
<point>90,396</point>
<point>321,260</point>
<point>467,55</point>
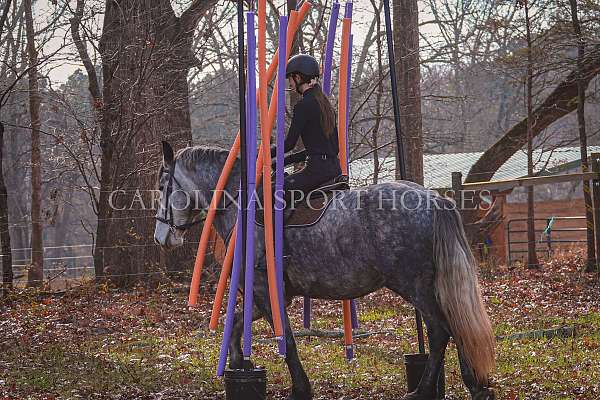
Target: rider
<point>313,120</point>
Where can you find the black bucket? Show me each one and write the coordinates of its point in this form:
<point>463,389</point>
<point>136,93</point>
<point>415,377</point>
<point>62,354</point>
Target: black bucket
<point>415,366</point>
<point>245,384</point>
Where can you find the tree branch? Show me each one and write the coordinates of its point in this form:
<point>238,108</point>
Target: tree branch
<point>4,16</point>
<point>562,101</point>
<point>94,87</point>
<point>196,10</point>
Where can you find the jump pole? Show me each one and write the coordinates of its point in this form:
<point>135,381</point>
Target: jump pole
<point>266,168</point>
<point>328,59</point>
<point>241,222</point>
<point>342,117</point>
<point>296,17</point>
<point>251,145</point>
<point>244,143</point>
<point>353,312</point>
<point>233,288</point>
<point>279,174</point>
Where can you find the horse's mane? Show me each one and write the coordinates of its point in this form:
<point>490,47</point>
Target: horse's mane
<point>189,156</point>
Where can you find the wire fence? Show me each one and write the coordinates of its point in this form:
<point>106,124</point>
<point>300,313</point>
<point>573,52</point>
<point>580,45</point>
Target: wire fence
<point>75,263</point>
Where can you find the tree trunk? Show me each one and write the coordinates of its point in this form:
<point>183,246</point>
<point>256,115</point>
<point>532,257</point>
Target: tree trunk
<point>406,43</point>
<point>532,261</point>
<point>146,56</point>
<point>103,211</point>
<point>6,253</point>
<point>36,271</point>
<point>587,197</point>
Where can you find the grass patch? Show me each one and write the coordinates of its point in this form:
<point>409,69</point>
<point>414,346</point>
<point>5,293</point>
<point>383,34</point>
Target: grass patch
<point>138,345</point>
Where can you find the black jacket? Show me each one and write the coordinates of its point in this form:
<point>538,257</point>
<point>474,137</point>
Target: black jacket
<point>306,124</point>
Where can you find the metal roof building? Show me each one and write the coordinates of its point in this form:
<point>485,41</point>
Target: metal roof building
<point>438,168</point>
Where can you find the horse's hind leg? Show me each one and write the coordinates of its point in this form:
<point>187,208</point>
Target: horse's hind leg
<point>438,339</point>
<point>438,335</point>
<point>301,389</point>
<point>477,390</point>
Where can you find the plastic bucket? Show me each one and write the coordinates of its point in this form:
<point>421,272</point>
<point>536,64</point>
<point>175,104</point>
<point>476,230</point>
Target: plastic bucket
<point>245,384</point>
<point>415,366</point>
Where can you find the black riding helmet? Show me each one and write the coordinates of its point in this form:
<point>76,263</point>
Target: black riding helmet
<point>303,64</point>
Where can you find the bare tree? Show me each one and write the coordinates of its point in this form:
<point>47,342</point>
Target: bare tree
<point>36,271</point>
<point>581,86</point>
<point>560,102</point>
<point>532,261</point>
<point>146,55</point>
<point>6,253</point>
<point>4,16</point>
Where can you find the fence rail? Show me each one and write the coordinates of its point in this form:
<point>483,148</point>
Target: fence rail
<point>547,236</point>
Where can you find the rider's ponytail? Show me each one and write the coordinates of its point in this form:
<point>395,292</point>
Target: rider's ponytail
<point>327,111</point>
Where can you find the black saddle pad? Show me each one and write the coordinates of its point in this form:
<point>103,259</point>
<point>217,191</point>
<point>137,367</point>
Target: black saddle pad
<point>310,210</point>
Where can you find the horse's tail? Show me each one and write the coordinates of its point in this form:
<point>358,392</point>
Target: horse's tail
<point>458,291</point>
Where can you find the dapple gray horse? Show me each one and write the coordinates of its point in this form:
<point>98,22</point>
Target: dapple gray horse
<point>395,235</point>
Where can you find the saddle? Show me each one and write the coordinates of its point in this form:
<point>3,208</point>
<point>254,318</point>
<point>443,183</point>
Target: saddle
<point>309,210</point>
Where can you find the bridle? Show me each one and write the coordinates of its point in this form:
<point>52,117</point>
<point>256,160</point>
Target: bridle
<point>168,217</point>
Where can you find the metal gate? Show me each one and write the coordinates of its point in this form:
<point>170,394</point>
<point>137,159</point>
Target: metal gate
<point>551,233</point>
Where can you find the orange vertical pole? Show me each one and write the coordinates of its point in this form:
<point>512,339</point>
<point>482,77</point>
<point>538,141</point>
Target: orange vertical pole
<point>296,17</point>
<point>266,144</point>
<point>222,285</point>
<point>343,137</point>
<point>347,323</point>
<point>342,96</point>
<point>210,216</point>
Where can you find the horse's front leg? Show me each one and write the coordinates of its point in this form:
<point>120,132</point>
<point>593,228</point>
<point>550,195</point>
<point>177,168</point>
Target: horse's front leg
<point>301,389</point>
<point>236,358</point>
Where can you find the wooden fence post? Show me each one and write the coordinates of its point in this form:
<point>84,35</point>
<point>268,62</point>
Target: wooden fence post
<point>595,161</point>
<point>457,189</point>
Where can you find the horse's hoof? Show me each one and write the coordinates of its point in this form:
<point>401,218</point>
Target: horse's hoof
<point>418,396</point>
<point>240,363</point>
<point>485,394</point>
<point>299,396</point>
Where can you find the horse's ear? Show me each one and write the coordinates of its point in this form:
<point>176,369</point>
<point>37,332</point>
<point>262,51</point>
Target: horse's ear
<point>168,155</point>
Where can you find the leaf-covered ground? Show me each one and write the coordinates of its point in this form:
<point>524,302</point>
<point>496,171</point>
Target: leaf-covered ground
<point>103,344</point>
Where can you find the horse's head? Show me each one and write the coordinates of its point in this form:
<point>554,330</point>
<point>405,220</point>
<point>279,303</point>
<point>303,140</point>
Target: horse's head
<point>177,207</point>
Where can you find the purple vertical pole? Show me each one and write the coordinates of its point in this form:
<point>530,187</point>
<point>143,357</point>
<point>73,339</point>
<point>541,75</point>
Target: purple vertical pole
<point>251,151</point>
<point>233,287</point>
<point>353,314</point>
<point>328,63</point>
<point>348,14</point>
<point>348,10</point>
<point>279,206</point>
